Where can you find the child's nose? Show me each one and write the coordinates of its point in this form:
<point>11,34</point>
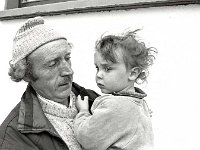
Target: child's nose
<point>99,74</point>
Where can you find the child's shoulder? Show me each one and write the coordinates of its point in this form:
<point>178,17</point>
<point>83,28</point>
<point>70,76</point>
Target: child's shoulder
<point>103,99</point>
<point>109,100</point>
<point>116,105</point>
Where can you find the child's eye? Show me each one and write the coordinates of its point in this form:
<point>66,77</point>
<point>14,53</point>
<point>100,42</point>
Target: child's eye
<point>108,69</point>
<point>97,68</point>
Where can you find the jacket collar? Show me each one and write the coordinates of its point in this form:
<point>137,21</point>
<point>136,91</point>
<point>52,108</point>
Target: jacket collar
<point>31,117</point>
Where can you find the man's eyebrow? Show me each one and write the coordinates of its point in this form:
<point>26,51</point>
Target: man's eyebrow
<point>49,60</point>
<point>69,53</point>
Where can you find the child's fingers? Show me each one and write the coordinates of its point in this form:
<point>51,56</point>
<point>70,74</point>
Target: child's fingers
<point>86,106</point>
<point>86,99</point>
<point>79,97</point>
<point>82,104</point>
<point>80,100</point>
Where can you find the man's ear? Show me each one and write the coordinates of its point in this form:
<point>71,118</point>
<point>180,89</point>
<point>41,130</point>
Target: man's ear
<point>134,73</point>
<point>26,79</point>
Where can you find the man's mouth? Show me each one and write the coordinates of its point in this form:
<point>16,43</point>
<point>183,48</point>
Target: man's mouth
<point>64,84</point>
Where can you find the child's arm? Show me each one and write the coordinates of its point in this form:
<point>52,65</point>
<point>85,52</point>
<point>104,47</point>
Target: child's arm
<point>104,127</point>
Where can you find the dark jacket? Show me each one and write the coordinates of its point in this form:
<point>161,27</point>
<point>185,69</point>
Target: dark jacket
<point>27,128</point>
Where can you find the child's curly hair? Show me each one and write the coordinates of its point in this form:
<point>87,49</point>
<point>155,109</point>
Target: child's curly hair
<point>135,53</point>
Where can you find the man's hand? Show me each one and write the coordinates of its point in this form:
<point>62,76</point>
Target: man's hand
<point>82,104</point>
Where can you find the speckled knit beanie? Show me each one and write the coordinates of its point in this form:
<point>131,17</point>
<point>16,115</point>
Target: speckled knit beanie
<point>32,34</point>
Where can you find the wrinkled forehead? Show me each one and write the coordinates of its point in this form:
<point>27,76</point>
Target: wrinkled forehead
<point>52,49</point>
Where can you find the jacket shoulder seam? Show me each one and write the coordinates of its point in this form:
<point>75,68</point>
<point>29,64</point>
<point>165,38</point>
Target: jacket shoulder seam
<point>4,134</point>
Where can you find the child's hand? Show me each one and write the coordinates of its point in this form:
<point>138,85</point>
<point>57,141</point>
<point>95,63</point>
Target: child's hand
<point>82,104</point>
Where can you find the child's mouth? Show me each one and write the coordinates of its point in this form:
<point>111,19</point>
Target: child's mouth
<point>100,85</point>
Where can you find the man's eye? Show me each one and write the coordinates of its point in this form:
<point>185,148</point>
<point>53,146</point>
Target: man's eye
<point>67,58</point>
<point>51,64</point>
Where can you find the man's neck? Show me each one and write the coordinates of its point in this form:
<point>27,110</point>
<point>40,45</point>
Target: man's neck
<point>65,102</point>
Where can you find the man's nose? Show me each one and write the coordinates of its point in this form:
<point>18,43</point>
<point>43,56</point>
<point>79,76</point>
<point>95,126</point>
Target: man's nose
<point>66,69</point>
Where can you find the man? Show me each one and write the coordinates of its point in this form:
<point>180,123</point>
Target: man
<point>41,57</point>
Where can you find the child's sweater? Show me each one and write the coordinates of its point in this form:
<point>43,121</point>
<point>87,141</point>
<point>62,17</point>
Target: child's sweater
<point>118,121</point>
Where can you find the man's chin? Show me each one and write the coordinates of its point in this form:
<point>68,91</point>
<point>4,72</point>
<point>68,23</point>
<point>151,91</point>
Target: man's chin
<point>62,97</point>
<point>65,93</point>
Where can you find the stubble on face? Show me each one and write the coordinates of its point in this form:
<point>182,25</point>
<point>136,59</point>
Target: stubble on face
<point>50,83</point>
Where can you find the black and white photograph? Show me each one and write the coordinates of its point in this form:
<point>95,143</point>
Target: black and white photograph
<point>99,74</point>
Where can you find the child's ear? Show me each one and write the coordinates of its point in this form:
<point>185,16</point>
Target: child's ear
<point>134,73</point>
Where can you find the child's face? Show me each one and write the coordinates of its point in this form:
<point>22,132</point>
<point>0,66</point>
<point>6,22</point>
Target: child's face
<point>111,77</point>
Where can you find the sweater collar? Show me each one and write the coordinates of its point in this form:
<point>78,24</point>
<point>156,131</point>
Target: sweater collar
<point>136,93</point>
<point>31,116</point>
<point>132,92</point>
<point>58,109</point>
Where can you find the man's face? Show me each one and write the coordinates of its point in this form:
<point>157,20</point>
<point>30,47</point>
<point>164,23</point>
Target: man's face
<point>51,65</point>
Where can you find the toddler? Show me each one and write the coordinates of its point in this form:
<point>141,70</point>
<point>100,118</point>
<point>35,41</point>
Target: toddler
<point>120,119</point>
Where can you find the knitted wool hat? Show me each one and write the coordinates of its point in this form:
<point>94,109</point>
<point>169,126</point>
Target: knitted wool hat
<point>32,34</point>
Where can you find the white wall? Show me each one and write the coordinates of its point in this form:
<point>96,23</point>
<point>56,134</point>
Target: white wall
<point>174,79</point>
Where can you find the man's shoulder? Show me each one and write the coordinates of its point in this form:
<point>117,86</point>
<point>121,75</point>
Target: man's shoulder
<point>12,115</point>
<point>80,90</point>
<point>10,121</point>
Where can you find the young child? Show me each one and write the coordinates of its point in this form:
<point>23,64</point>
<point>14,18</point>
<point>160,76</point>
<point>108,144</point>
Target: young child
<point>120,119</point>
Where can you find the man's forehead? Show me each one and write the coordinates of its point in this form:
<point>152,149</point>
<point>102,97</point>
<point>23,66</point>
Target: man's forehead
<point>52,50</point>
<point>57,54</point>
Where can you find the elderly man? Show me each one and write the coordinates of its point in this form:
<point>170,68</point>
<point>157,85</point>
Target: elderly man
<point>43,120</point>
